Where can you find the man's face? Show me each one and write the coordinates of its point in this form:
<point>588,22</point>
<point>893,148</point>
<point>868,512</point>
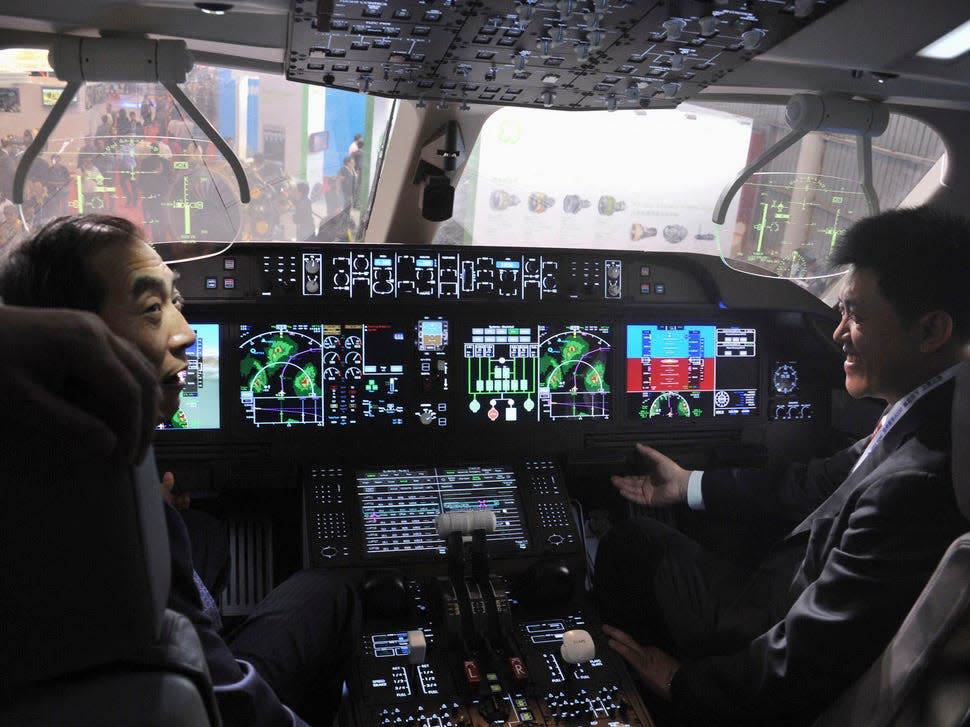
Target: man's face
<point>143,306</point>
<point>882,351</point>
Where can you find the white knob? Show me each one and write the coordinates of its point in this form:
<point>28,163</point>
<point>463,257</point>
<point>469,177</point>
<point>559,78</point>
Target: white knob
<point>577,646</point>
<point>674,27</point>
<point>751,39</point>
<point>466,522</point>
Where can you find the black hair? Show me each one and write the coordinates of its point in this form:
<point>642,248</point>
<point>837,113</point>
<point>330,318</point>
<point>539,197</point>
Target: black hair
<point>921,259</point>
<point>49,269</point>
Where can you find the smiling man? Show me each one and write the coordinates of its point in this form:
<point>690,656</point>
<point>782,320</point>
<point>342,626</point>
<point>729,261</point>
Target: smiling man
<point>723,643</point>
<point>295,646</point>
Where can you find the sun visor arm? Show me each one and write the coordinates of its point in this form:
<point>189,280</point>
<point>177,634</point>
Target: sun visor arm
<point>77,59</point>
<point>830,113</point>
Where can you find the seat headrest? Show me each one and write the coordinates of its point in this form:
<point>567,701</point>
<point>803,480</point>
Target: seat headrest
<point>85,561</point>
<point>960,428</point>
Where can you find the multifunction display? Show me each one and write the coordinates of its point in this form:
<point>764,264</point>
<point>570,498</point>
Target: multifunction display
<point>691,370</point>
<point>540,372</point>
<point>322,374</point>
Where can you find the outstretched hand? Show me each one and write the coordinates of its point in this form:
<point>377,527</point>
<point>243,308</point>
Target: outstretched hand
<point>180,501</point>
<point>664,483</point>
<point>654,666</point>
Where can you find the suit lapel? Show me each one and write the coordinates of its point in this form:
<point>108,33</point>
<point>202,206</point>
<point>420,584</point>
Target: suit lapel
<point>933,404</point>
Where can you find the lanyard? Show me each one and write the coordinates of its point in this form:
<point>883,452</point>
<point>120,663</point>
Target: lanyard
<point>902,406</point>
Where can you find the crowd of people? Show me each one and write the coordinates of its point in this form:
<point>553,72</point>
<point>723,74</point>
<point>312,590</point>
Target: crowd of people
<point>138,164</point>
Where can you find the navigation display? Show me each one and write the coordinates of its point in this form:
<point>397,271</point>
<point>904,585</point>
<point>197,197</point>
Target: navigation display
<point>538,373</point>
<point>322,374</point>
<point>691,371</point>
<point>399,506</point>
<point>199,403</point>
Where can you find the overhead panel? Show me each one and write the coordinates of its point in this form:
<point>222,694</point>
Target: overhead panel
<point>563,54</point>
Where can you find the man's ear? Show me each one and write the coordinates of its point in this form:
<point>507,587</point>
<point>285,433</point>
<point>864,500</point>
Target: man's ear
<point>935,329</point>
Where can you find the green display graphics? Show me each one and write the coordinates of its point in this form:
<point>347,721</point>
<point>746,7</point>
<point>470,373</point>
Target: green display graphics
<point>538,373</point>
<point>280,374</point>
<point>323,374</point>
<point>573,370</point>
<point>791,222</point>
<point>177,190</point>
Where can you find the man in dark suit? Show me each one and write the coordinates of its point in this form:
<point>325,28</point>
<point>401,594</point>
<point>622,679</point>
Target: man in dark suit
<point>294,648</point>
<point>776,644</point>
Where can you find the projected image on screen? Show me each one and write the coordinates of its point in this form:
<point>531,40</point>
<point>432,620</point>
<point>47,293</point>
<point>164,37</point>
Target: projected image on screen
<point>691,371</point>
<point>399,506</point>
<point>199,403</point>
<point>538,373</point>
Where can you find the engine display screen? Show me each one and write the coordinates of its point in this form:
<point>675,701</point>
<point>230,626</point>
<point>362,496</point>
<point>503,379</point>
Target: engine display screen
<point>691,371</point>
<point>398,507</point>
<point>543,372</point>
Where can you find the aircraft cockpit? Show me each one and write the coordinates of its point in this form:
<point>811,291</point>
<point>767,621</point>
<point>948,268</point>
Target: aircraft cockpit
<point>447,263</point>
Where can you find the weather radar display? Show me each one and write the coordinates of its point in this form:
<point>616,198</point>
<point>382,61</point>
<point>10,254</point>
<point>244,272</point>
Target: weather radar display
<point>280,375</point>
<point>573,366</point>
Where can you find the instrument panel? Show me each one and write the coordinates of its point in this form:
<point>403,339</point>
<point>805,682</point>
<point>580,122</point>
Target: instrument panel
<point>393,387</point>
<point>298,340</point>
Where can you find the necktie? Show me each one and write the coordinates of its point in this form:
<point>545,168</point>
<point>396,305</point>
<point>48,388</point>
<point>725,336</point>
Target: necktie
<point>209,606</point>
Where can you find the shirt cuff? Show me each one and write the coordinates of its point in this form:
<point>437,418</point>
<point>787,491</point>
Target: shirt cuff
<point>695,498</point>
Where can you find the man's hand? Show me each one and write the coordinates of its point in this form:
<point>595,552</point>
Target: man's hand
<point>180,501</point>
<point>68,376</point>
<point>655,667</point>
<point>665,482</point>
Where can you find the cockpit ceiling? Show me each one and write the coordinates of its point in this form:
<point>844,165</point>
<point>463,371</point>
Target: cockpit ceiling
<point>565,54</point>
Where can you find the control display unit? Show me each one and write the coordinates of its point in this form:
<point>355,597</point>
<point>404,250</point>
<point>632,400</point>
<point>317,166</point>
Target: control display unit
<point>398,507</point>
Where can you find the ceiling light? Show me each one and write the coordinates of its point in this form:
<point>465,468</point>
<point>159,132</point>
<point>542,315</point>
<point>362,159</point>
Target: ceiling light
<point>949,46</point>
<point>883,77</point>
<point>214,8</point>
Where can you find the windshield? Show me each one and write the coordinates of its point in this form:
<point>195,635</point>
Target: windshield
<point>649,180</point>
<point>636,180</point>
<point>310,156</point>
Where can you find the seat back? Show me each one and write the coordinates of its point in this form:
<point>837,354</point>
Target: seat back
<point>84,580</point>
<point>84,560</point>
<point>922,679</point>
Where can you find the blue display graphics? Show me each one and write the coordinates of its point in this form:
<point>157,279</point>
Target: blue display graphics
<point>399,507</point>
<point>538,373</point>
<point>199,403</point>
<point>691,371</point>
<point>322,374</point>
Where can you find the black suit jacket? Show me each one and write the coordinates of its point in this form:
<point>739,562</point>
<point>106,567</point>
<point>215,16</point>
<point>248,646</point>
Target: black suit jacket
<point>852,569</point>
<point>244,698</point>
